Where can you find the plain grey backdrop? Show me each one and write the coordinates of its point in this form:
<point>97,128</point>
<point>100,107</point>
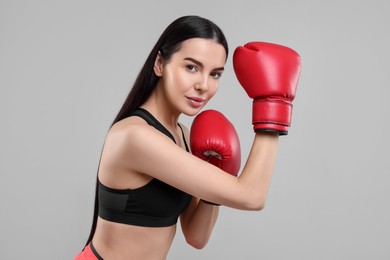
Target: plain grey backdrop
<point>67,66</point>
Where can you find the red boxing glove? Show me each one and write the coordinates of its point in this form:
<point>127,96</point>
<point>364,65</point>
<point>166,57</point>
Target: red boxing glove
<point>269,74</point>
<point>213,138</point>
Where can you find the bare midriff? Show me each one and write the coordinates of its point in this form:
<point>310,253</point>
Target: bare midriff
<point>121,241</point>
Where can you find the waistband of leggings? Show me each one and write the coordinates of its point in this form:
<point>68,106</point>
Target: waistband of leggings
<point>95,252</point>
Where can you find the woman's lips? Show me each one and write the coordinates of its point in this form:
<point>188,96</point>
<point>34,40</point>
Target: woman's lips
<point>196,102</point>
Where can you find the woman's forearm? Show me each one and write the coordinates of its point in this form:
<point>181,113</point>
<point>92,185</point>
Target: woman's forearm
<point>257,173</point>
<point>201,224</point>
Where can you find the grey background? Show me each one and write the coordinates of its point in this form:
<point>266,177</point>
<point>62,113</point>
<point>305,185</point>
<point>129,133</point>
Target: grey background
<point>67,66</point>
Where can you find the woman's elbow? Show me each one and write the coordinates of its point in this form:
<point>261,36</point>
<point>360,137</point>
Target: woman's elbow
<point>256,204</point>
<point>258,207</point>
<point>197,243</point>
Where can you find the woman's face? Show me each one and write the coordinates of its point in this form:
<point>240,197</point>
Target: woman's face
<point>191,76</point>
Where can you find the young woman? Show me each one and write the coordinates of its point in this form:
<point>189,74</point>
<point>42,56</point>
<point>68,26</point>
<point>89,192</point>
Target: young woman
<point>147,179</point>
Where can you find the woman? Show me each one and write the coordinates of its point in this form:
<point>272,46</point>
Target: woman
<point>180,75</point>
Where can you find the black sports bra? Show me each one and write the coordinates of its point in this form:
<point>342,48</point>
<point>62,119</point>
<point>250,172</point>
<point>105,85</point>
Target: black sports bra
<point>155,204</point>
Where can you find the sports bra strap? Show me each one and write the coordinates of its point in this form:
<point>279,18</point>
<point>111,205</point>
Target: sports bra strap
<point>182,133</point>
<point>151,120</point>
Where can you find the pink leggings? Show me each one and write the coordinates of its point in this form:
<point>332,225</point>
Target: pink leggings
<point>88,253</point>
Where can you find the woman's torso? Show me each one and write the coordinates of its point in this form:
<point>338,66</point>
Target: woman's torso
<point>125,241</point>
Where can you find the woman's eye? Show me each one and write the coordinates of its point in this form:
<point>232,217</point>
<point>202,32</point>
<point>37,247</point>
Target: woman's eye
<point>191,68</point>
<point>216,75</point>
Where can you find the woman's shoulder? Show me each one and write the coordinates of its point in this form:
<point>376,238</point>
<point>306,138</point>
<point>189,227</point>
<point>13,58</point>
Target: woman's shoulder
<point>127,129</point>
<point>127,124</point>
<point>134,132</point>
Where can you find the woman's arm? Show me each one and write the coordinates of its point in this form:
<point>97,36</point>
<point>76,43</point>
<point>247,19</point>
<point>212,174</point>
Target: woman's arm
<point>198,221</point>
<point>260,163</point>
<point>143,149</point>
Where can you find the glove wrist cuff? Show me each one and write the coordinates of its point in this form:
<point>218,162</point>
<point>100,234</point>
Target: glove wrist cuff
<point>271,115</point>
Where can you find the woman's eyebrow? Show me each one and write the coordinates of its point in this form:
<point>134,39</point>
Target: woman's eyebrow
<point>200,64</point>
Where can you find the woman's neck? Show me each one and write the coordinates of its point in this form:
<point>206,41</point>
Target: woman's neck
<point>161,111</point>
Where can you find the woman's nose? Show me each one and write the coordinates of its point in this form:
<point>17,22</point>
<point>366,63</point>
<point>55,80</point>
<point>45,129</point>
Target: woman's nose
<point>202,84</point>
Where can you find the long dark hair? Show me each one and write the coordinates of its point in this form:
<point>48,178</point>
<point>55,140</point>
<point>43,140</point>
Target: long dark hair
<point>181,29</point>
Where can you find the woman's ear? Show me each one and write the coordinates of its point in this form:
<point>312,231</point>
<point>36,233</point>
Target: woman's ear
<point>158,65</point>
